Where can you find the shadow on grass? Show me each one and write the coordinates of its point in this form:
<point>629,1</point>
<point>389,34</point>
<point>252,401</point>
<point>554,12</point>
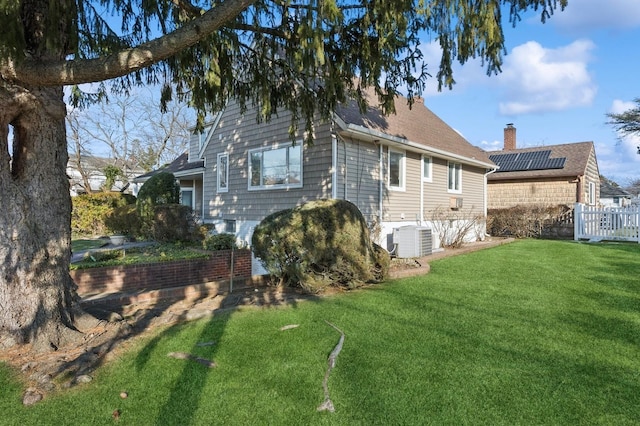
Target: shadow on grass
<point>186,391</point>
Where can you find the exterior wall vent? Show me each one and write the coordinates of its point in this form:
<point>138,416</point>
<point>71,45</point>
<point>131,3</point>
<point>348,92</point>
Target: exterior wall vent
<point>455,203</point>
<point>412,241</point>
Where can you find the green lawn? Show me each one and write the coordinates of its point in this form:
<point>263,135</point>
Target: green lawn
<point>533,332</point>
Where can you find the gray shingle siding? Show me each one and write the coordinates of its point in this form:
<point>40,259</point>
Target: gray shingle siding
<point>236,135</point>
<point>358,175</point>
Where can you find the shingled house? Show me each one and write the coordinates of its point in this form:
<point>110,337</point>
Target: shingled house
<point>613,196</point>
<point>396,169</point>
<point>548,175</point>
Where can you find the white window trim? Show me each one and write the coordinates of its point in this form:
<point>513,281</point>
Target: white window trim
<point>403,170</point>
<point>592,193</point>
<point>300,184</point>
<point>203,137</point>
<point>220,156</point>
<point>429,178</point>
<point>459,190</point>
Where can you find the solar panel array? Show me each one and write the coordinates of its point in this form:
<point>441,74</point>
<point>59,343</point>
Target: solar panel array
<point>521,161</point>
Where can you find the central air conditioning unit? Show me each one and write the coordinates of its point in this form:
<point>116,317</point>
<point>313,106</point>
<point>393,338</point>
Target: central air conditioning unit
<point>412,241</point>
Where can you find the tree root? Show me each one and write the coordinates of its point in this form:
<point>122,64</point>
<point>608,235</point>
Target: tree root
<point>327,404</point>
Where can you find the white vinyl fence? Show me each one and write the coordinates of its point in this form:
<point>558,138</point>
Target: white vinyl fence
<point>606,223</point>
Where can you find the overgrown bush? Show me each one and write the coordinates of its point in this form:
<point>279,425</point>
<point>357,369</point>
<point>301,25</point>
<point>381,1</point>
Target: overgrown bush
<point>219,242</point>
<point>124,220</point>
<point>90,211</point>
<point>525,221</point>
<point>173,222</point>
<point>320,244</point>
<point>159,189</point>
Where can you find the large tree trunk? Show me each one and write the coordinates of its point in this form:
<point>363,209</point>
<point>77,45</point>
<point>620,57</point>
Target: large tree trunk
<point>37,294</point>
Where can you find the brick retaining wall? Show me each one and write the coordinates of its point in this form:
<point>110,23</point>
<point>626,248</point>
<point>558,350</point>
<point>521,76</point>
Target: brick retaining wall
<point>163,275</point>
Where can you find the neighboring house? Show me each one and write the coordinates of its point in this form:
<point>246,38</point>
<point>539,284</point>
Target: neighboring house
<point>94,177</point>
<point>399,170</point>
<point>613,196</point>
<point>548,175</point>
<point>190,176</point>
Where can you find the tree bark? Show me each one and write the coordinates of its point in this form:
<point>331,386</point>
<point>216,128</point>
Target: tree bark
<point>37,294</point>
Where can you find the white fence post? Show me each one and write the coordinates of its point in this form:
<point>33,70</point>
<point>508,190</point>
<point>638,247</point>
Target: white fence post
<point>577,221</point>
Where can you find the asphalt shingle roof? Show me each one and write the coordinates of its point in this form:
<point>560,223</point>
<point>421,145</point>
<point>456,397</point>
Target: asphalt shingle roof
<point>180,164</point>
<point>417,124</point>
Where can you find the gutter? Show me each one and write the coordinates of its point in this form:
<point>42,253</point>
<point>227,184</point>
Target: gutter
<point>371,135</point>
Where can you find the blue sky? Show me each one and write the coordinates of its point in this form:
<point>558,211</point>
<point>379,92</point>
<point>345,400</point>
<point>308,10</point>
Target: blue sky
<point>559,81</point>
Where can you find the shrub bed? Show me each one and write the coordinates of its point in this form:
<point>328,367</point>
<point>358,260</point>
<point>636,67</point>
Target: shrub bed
<point>531,222</point>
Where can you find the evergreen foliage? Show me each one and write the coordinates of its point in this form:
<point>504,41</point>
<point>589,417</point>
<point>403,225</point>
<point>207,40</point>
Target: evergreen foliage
<point>90,212</point>
<point>171,222</point>
<point>304,56</point>
<point>320,244</point>
<point>160,188</point>
<point>219,242</point>
<point>124,220</point>
<point>627,122</point>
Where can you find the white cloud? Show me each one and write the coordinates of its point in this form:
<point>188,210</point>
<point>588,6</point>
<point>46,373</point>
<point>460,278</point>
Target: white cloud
<point>618,106</point>
<point>589,15</point>
<point>491,145</point>
<point>537,79</point>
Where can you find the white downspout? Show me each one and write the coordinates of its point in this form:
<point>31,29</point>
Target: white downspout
<point>421,215</point>
<point>486,191</point>
<point>346,170</point>
<point>334,167</point>
<point>380,185</point>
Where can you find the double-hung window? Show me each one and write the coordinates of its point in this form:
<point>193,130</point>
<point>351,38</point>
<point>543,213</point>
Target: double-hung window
<point>396,167</point>
<point>455,177</point>
<point>276,168</point>
<point>426,169</point>
<point>223,172</point>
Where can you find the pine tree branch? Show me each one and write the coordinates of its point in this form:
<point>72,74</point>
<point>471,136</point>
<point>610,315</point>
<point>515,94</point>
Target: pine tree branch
<point>79,71</point>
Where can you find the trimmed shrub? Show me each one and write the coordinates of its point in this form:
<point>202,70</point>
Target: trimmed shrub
<point>173,222</point>
<point>320,244</point>
<point>219,242</point>
<point>90,211</point>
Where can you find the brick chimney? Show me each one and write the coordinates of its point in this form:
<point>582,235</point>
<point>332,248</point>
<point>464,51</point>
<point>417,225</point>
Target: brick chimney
<point>509,137</point>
